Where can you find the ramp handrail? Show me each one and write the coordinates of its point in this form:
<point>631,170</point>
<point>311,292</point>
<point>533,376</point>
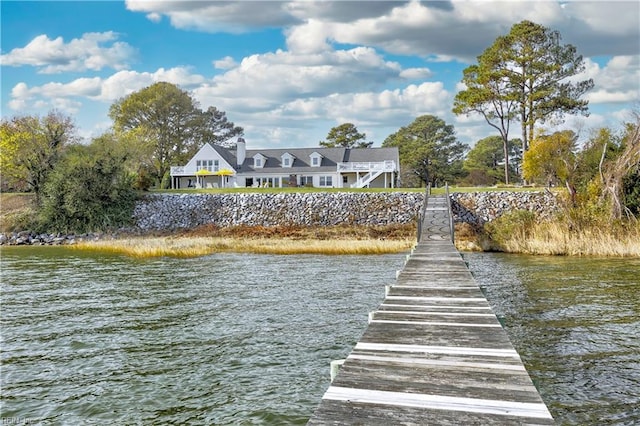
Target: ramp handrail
<point>451,223</point>
<point>423,212</point>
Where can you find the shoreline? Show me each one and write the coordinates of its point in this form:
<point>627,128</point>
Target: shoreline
<point>328,240</point>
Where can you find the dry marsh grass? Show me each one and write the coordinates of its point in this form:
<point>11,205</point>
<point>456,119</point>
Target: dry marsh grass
<point>182,247</point>
<point>285,240</point>
<point>14,206</point>
<point>552,238</point>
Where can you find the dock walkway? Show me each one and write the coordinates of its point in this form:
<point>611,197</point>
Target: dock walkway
<point>434,353</point>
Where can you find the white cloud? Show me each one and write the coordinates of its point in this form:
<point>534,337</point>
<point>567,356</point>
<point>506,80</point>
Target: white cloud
<point>69,95</point>
<point>216,16</point>
<point>309,38</point>
<point>416,73</point>
<point>225,63</point>
<point>618,81</point>
<point>262,82</point>
<point>154,17</point>
<point>86,53</point>
<point>298,94</point>
<point>606,17</point>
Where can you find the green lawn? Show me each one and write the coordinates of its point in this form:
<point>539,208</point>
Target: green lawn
<point>306,189</point>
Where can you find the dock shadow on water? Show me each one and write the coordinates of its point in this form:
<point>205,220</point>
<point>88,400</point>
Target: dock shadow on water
<point>576,324</point>
<point>221,339</point>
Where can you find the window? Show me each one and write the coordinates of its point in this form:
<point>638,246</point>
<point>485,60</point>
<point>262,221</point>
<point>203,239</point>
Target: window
<point>287,160</point>
<point>264,182</point>
<point>345,179</point>
<point>316,159</point>
<point>326,180</point>
<point>259,161</point>
<point>210,165</point>
<point>306,180</point>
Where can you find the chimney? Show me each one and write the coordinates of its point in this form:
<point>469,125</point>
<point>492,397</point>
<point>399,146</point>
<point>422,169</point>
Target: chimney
<point>241,151</point>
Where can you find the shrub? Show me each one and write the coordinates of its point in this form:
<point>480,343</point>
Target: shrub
<point>88,191</point>
<point>516,224</point>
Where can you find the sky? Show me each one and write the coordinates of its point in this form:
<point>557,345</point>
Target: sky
<point>287,72</point>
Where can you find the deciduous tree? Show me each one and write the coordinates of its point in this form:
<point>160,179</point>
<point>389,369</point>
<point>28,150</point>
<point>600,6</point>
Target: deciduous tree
<point>31,147</point>
<point>171,118</point>
<point>552,159</point>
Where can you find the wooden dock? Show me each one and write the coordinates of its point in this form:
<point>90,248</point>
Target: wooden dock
<point>434,353</point>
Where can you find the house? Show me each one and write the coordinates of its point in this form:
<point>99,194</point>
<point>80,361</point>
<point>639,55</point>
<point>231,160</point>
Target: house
<point>214,166</point>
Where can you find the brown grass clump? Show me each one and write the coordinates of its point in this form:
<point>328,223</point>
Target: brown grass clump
<point>183,246</point>
<point>209,239</point>
<point>553,238</point>
<point>352,232</point>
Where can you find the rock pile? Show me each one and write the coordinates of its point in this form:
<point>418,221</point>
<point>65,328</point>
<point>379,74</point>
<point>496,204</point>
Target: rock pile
<point>34,239</point>
<point>477,208</point>
<point>171,212</point>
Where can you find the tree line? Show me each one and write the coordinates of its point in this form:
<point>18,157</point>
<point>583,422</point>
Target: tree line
<point>523,77</point>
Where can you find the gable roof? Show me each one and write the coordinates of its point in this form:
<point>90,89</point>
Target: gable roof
<point>302,163</point>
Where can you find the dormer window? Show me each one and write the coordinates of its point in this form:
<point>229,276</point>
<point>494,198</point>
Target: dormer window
<point>316,159</point>
<point>287,160</point>
<point>259,160</point>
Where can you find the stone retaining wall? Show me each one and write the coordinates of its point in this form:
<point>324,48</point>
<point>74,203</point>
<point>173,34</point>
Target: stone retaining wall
<point>170,212</point>
<point>477,208</point>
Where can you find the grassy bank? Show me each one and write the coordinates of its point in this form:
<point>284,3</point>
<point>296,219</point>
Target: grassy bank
<point>336,240</point>
<point>522,233</point>
<point>514,233</point>
<point>554,238</point>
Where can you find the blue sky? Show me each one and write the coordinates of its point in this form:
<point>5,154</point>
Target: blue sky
<point>287,72</point>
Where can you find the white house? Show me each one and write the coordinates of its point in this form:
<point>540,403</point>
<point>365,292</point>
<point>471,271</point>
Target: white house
<point>215,166</point>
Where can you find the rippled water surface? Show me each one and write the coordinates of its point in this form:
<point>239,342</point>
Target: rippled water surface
<point>576,324</point>
<point>246,339</point>
<point>223,339</point>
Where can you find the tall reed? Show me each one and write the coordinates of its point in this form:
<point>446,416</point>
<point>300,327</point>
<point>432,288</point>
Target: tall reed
<point>564,235</point>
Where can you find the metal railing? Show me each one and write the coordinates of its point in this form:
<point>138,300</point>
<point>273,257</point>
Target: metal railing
<point>383,166</point>
<point>452,227</point>
<point>423,211</point>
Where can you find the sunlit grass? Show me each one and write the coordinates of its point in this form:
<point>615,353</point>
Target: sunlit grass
<point>184,247</point>
<point>552,238</point>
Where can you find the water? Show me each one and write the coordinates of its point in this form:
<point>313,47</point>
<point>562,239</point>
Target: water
<point>576,324</point>
<point>223,339</point>
<point>247,339</point>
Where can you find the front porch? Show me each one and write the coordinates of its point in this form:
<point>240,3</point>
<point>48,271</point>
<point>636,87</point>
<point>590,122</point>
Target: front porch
<point>378,174</point>
<point>189,177</point>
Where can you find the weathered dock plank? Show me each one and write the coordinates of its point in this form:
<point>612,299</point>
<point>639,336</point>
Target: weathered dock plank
<point>433,352</point>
